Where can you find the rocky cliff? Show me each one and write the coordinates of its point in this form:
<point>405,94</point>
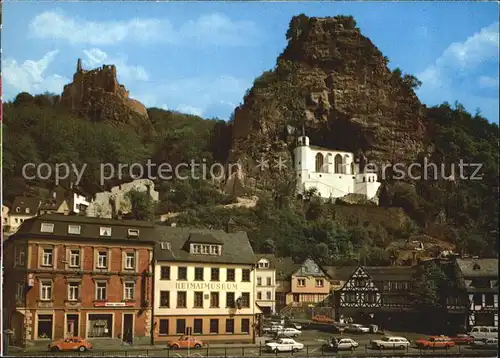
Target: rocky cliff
<point>335,82</point>
<point>97,95</point>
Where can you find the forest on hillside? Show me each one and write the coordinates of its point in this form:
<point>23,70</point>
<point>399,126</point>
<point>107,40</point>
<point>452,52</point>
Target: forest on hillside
<point>36,131</point>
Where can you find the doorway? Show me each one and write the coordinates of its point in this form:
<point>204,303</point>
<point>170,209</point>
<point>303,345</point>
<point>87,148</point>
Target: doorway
<point>72,325</point>
<point>128,328</point>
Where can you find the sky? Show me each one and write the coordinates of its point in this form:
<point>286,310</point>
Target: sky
<point>201,58</point>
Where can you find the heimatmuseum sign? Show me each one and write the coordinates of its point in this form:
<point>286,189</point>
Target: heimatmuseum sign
<point>206,286</point>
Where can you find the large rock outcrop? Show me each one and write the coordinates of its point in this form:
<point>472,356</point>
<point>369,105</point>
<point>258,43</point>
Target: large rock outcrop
<point>333,81</point>
<point>97,95</point>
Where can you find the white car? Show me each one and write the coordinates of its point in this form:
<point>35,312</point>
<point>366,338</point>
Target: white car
<point>357,328</point>
<point>390,342</point>
<point>284,345</point>
<point>290,332</point>
<point>343,344</point>
<point>273,329</point>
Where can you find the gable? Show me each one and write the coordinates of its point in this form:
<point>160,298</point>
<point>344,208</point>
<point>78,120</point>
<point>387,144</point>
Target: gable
<point>310,268</point>
<point>360,280</point>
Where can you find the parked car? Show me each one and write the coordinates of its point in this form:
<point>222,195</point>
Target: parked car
<point>341,344</point>
<point>185,342</point>
<point>322,319</point>
<point>276,338</point>
<point>483,332</point>
<point>435,342</point>
<point>489,343</point>
<point>273,329</point>
<point>390,342</point>
<point>462,339</point>
<point>290,332</point>
<point>70,344</point>
<point>291,324</point>
<point>356,328</point>
<point>284,345</point>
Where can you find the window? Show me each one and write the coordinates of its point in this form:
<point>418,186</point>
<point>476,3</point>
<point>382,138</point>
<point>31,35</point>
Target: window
<point>198,300</point>
<point>489,300</point>
<point>264,264</point>
<point>73,291</point>
<point>165,299</point>
<point>478,299</point>
<point>230,300</point>
<point>133,232</point>
<point>100,291</point>
<point>165,273</point>
<point>268,295</point>
<point>18,209</point>
<point>20,256</point>
<point>214,326</point>
<point>230,275</point>
<point>74,258</point>
<point>105,231</point>
<point>102,259</point>
<point>180,326</point>
<point>163,331</point>
<point>198,273</point>
<point>46,227</point>
<point>129,260</point>
<point>268,281</point>
<point>74,229</point>
<point>196,249</point>
<point>214,274</point>
<point>45,324</point>
<point>319,283</point>
<point>245,299</point>
<point>245,275</point>
<point>181,299</point>
<point>214,299</point>
<point>20,291</point>
<point>301,282</point>
<point>350,298</point>
<point>47,257</point>
<point>245,325</point>
<point>214,250</point>
<point>46,290</point>
<point>100,325</point>
<point>198,326</point>
<point>129,288</point>
<point>259,281</point>
<point>370,298</point>
<point>229,325</point>
<point>27,210</point>
<point>182,273</point>
<point>259,295</point>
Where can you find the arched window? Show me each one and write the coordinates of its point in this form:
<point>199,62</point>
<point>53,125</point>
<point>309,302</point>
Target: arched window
<point>352,169</point>
<point>319,163</point>
<point>364,179</point>
<point>339,165</point>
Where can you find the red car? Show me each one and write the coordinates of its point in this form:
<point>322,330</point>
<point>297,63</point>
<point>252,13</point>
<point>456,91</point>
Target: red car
<point>462,339</point>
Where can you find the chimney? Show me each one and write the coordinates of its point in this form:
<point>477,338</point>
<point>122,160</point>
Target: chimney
<point>79,65</point>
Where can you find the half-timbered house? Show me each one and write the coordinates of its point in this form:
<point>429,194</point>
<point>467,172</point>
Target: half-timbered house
<point>378,295</point>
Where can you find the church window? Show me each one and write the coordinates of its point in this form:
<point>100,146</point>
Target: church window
<point>319,163</point>
<point>339,165</point>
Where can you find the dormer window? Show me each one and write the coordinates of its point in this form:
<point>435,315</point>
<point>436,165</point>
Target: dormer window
<point>46,227</point>
<point>27,210</point>
<point>105,231</point>
<point>264,264</point>
<point>74,229</point>
<point>206,249</point>
<point>18,209</point>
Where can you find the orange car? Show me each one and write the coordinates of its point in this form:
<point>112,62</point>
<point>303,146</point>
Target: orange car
<point>185,342</point>
<point>323,319</point>
<point>435,342</point>
<point>462,339</point>
<point>70,344</point>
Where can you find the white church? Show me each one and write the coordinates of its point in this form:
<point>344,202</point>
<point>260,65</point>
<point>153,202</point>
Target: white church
<point>333,173</point>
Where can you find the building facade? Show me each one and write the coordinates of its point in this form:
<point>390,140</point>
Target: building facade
<point>23,208</point>
<point>266,283</point>
<point>204,285</point>
<point>478,281</point>
<point>333,173</point>
<point>78,276</point>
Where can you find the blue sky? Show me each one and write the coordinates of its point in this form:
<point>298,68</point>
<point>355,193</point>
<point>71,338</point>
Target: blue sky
<point>201,57</point>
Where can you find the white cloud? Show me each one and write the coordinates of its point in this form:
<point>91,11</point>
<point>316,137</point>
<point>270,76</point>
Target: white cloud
<point>213,29</point>
<point>475,50</point>
<point>126,73</point>
<point>195,95</point>
<point>30,76</point>
<point>488,82</point>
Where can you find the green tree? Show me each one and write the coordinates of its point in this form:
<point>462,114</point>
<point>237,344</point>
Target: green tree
<point>142,206</point>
